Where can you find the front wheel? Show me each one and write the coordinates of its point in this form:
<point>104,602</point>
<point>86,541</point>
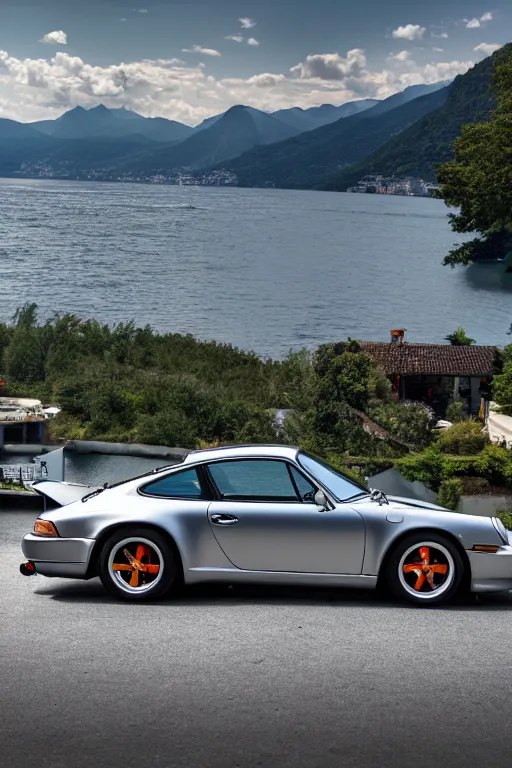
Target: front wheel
<point>425,569</point>
<point>138,564</point>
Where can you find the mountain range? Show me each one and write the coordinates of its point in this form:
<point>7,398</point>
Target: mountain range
<point>326,147</point>
<point>309,157</point>
<point>80,123</point>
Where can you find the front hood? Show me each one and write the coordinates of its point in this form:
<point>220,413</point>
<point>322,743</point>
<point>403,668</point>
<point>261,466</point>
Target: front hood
<point>399,502</point>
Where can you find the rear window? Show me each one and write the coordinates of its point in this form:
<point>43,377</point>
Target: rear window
<point>180,485</point>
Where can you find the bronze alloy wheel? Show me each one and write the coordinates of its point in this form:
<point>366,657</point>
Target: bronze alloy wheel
<point>425,569</point>
<point>138,564</point>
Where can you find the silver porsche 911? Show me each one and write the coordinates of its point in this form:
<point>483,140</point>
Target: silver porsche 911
<point>262,514</point>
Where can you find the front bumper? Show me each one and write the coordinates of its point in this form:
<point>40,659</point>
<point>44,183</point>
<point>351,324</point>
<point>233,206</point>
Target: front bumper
<point>55,556</point>
<point>491,572</point>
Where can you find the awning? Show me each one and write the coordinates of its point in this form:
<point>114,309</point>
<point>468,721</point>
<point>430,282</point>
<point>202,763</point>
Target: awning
<point>500,427</point>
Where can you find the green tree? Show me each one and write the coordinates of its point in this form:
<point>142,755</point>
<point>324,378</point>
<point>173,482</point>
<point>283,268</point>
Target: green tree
<point>459,339</point>
<point>25,355</point>
<point>478,180</point>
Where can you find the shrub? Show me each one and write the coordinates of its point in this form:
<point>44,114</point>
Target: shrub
<point>450,493</point>
<point>464,439</point>
<point>410,422</point>
<point>495,463</point>
<point>427,467</point>
<point>505,515</point>
<point>455,412</point>
<point>474,486</point>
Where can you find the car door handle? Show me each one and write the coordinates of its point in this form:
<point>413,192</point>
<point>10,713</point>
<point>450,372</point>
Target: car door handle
<point>224,519</point>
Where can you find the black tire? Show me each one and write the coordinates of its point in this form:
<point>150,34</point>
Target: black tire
<point>158,553</point>
<point>441,552</point>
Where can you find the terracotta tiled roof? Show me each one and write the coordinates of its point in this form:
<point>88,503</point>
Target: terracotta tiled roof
<point>431,359</point>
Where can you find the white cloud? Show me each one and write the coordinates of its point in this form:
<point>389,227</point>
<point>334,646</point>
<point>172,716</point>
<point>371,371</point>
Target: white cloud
<point>488,48</point>
<point>476,23</point>
<point>200,49</point>
<point>235,38</point>
<point>438,50</point>
<point>409,32</point>
<point>37,89</point>
<point>401,56</point>
<point>123,19</point>
<point>140,10</point>
<point>246,22</point>
<point>55,38</point>
<point>442,35</point>
<point>252,41</point>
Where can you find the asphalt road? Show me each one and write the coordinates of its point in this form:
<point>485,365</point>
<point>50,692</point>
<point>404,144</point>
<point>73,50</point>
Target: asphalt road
<point>225,678</point>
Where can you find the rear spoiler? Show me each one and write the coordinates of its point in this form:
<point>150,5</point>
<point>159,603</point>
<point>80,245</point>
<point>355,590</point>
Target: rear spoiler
<point>57,494</point>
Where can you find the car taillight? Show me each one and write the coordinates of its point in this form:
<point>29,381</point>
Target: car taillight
<point>45,528</point>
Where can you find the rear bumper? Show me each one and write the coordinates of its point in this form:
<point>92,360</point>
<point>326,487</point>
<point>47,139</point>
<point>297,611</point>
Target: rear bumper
<point>491,572</point>
<point>54,556</point>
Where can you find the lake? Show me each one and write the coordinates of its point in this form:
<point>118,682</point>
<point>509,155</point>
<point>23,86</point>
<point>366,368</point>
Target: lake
<point>266,270</point>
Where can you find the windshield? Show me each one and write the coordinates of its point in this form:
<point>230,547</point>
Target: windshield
<point>340,486</point>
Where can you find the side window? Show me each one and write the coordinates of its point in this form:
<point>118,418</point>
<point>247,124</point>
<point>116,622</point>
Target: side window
<point>253,479</point>
<point>182,485</point>
<point>306,490</point>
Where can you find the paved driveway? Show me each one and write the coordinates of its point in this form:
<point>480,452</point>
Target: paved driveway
<point>224,677</point>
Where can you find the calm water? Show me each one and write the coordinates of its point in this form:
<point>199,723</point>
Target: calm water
<point>267,270</point>
<point>95,469</point>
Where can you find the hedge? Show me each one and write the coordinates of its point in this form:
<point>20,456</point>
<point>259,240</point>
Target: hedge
<point>432,467</point>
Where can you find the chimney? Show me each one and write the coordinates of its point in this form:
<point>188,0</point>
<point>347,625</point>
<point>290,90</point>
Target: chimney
<point>397,336</point>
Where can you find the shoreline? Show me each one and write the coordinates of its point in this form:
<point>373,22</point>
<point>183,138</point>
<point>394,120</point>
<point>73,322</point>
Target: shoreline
<point>149,183</point>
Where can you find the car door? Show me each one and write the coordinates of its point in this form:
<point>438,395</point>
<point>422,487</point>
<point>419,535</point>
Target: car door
<point>265,519</point>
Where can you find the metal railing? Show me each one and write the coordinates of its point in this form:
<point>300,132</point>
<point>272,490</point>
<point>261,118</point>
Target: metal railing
<point>23,473</point>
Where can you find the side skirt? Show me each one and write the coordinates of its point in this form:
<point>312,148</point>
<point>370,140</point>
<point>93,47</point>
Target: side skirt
<point>232,575</point>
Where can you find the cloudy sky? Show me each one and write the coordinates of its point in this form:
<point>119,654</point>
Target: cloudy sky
<point>189,59</point>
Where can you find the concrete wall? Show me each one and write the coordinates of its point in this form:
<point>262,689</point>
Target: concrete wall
<point>484,505</point>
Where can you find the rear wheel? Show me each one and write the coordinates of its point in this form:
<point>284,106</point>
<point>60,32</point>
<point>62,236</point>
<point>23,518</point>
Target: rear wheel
<point>138,564</point>
<point>425,569</point>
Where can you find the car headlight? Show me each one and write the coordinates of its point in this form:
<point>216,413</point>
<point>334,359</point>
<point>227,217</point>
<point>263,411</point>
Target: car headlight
<point>501,529</point>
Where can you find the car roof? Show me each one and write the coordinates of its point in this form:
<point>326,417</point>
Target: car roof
<point>242,452</point>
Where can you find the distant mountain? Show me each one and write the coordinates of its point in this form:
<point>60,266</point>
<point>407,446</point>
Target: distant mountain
<point>315,117</point>
<point>10,129</point>
<point>80,123</point>
<point>239,129</point>
<point>72,157</point>
<point>208,122</point>
<point>307,119</point>
<point>306,160</point>
<point>408,94</point>
<point>415,151</point>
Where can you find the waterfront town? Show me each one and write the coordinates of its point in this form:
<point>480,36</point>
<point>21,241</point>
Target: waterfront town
<point>178,177</point>
<point>372,184</point>
<point>382,185</point>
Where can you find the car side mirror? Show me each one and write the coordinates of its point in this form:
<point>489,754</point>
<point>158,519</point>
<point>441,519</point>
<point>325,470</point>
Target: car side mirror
<point>321,501</point>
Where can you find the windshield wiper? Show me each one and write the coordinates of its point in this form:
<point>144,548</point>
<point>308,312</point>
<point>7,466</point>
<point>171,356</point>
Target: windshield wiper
<point>95,493</point>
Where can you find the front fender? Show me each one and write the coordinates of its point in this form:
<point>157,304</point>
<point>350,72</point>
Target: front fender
<point>387,524</point>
